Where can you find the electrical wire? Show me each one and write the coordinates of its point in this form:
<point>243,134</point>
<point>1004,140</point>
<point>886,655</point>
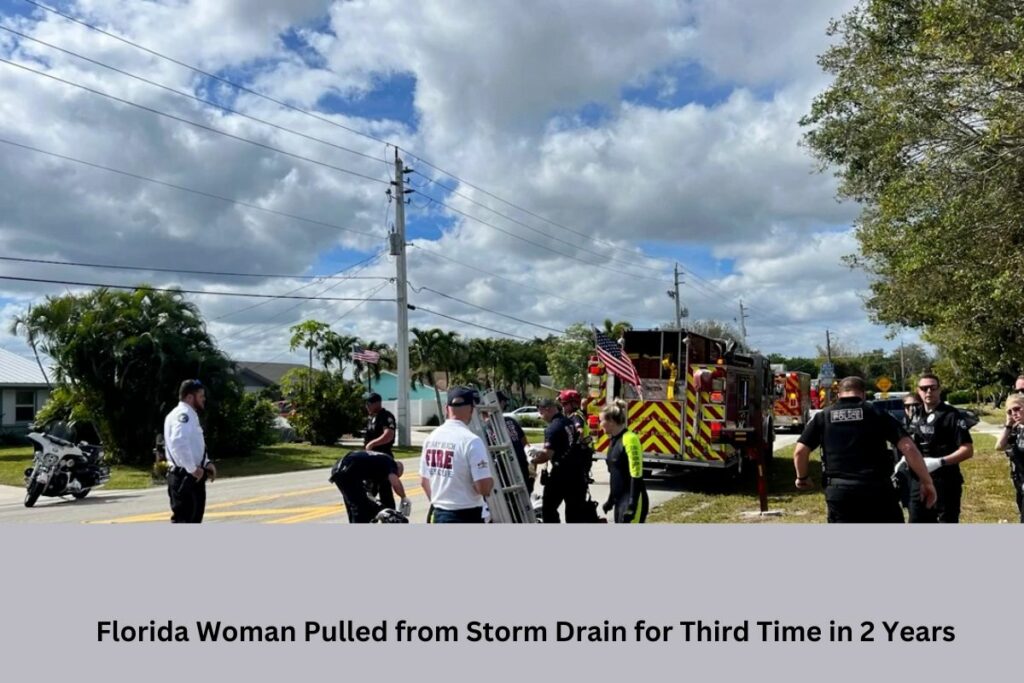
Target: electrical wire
<point>154,269</point>
<point>191,190</point>
<point>190,122</point>
<point>466,322</point>
<point>143,79</point>
<point>174,290</point>
<point>489,310</point>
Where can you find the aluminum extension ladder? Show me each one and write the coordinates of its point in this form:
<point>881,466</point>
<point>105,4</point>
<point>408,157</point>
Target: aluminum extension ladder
<point>509,502</point>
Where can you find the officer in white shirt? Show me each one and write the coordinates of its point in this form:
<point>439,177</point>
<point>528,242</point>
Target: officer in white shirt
<point>186,455</point>
<point>454,468</point>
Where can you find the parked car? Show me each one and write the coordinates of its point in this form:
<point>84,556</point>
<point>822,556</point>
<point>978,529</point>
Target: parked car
<point>525,411</point>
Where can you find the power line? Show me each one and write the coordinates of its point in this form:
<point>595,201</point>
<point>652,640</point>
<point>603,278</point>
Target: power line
<point>108,266</point>
<point>190,122</point>
<point>319,294</point>
<point>207,74</point>
<point>175,290</point>
<point>538,244</point>
<point>489,310</point>
<point>343,315</point>
<point>367,261</point>
<point>466,322</point>
<point>190,96</point>
<point>191,190</point>
<point>541,232</point>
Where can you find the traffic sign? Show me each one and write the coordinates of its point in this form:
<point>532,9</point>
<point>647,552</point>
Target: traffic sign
<point>827,370</point>
<point>884,384</point>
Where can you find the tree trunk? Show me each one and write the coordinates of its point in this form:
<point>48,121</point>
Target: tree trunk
<point>440,408</point>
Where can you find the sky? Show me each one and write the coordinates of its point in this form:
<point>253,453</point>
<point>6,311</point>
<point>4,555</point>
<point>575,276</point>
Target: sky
<point>564,156</point>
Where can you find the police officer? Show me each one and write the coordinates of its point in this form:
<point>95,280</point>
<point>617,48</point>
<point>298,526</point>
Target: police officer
<point>519,441</point>
<point>1011,441</point>
<point>942,436</point>
<point>352,473</point>
<point>188,467</point>
<point>567,481</point>
<point>380,427</point>
<point>573,410</point>
<point>857,461</point>
<point>1018,385</point>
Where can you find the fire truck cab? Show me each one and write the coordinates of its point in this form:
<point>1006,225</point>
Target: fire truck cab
<point>703,404</point>
<point>792,400</point>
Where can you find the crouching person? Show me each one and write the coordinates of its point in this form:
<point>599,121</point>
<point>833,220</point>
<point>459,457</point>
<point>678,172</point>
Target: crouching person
<point>357,473</point>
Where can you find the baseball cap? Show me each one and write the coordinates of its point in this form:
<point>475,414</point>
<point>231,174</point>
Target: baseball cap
<point>462,396</point>
<point>373,398</point>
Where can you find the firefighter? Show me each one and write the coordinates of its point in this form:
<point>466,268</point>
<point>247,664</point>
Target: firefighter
<point>627,494</point>
<point>857,463</point>
<point>1011,441</point>
<point>941,433</point>
<point>351,474</point>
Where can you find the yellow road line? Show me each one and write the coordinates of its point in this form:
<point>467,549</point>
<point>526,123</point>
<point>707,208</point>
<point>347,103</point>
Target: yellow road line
<point>326,511</point>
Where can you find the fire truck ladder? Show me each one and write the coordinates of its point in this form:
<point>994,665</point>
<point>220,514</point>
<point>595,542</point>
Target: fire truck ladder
<point>509,502</point>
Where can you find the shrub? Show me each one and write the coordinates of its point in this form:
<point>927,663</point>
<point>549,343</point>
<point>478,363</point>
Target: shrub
<point>531,422</point>
<point>433,421</point>
<point>959,397</point>
<point>326,406</point>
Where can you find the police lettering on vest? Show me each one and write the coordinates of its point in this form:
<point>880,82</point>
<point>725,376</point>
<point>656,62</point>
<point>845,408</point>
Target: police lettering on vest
<point>853,437</point>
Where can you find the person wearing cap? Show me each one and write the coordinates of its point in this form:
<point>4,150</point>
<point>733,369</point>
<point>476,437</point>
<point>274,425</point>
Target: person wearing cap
<point>583,450</point>
<point>567,481</point>
<point>519,441</point>
<point>380,427</point>
<point>188,467</point>
<point>353,472</point>
<point>455,471</point>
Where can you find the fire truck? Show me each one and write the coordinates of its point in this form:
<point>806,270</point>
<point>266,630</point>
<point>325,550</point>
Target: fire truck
<point>701,403</point>
<point>792,399</point>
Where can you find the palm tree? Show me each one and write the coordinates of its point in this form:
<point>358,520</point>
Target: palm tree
<point>431,350</point>
<point>617,330</point>
<point>337,349</point>
<point>310,335</point>
<point>484,358</point>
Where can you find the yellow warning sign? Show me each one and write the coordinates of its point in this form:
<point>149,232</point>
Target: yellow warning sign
<point>883,384</point>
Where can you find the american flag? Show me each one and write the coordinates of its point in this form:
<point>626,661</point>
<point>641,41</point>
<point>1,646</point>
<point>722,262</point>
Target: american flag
<point>610,353</point>
<point>365,355</point>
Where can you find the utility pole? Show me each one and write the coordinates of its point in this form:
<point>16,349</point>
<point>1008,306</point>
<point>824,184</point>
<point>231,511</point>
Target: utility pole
<point>743,322</point>
<point>397,238</point>
<point>675,295</point>
<point>828,346</point>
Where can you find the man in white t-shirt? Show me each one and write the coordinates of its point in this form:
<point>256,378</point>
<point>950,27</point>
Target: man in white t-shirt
<point>454,469</point>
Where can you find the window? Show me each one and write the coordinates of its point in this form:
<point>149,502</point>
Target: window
<point>24,406</point>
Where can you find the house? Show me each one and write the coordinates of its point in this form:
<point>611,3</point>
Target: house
<point>422,399</point>
<point>256,377</point>
<point>23,391</point>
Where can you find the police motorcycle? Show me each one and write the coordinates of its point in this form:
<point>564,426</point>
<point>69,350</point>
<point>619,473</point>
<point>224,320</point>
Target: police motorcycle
<point>61,467</point>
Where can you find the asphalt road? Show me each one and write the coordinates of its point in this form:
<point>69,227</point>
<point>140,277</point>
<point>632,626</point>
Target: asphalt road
<point>291,498</point>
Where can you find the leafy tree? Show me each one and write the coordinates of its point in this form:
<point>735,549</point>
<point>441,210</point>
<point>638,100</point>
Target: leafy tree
<point>924,122</point>
<point>119,358</point>
<point>326,405</point>
<point>567,356</point>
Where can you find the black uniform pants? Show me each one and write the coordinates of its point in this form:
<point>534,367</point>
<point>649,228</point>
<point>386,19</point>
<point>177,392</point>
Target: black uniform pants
<point>569,486</point>
<point>1017,477</point>
<point>360,507</point>
<point>188,497</point>
<point>642,507</point>
<point>862,503</point>
<point>947,505</point>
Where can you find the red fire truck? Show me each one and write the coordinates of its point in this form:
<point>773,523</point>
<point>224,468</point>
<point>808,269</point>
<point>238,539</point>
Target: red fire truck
<point>703,404</point>
<point>792,400</point>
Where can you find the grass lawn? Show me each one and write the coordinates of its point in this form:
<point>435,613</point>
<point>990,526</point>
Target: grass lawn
<point>988,494</point>
<point>271,460</point>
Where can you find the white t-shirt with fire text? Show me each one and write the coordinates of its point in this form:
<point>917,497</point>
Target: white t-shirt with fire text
<point>453,458</point>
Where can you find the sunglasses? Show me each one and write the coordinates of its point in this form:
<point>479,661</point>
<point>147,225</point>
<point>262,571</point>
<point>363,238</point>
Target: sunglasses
<point>928,387</point>
<point>1014,409</point>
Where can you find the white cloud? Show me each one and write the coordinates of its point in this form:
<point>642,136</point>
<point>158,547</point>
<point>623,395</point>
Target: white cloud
<point>498,91</point>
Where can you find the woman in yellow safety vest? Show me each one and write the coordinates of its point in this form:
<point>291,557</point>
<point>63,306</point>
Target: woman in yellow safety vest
<point>627,492</point>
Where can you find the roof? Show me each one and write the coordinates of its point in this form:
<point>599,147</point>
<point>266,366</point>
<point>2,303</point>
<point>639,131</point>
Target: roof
<point>16,371</point>
<point>270,372</point>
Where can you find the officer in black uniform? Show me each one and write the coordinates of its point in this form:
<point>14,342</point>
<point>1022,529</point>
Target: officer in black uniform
<point>1011,441</point>
<point>352,473</point>
<point>567,481</point>
<point>942,435</point>
<point>380,427</point>
<point>858,463</point>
